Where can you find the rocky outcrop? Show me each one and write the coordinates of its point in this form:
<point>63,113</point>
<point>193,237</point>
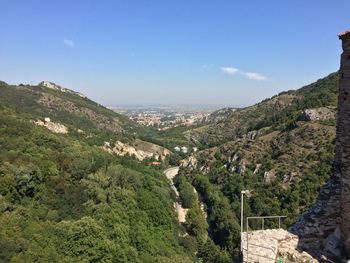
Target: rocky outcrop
<point>122,149</point>
<point>190,162</point>
<point>266,246</point>
<point>252,135</point>
<point>288,178</point>
<point>54,86</point>
<point>269,177</point>
<point>52,126</point>
<point>242,167</point>
<point>205,169</point>
<point>318,114</point>
<point>236,164</point>
<point>257,168</point>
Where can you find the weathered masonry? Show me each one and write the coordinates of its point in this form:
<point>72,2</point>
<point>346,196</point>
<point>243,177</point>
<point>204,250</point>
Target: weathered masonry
<point>324,230</point>
<point>322,233</point>
<point>343,139</point>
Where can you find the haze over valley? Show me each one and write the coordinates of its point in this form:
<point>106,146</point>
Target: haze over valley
<point>174,132</point>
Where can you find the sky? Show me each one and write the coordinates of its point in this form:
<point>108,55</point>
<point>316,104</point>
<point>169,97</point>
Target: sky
<point>189,52</point>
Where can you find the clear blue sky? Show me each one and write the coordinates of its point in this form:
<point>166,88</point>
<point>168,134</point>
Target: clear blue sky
<point>172,51</point>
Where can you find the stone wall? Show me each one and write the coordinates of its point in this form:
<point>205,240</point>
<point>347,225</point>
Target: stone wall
<point>324,230</point>
<point>343,139</point>
<point>322,233</point>
<point>266,246</point>
<point>318,227</point>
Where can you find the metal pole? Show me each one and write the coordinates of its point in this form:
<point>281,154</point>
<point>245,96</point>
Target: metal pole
<point>241,212</point>
<point>241,224</point>
<point>247,242</point>
<point>262,223</point>
<point>279,222</point>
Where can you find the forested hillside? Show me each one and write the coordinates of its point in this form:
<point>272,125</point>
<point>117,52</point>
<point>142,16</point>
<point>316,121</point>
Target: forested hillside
<point>65,196</point>
<point>64,199</point>
<point>275,113</point>
<point>280,149</point>
<point>84,118</point>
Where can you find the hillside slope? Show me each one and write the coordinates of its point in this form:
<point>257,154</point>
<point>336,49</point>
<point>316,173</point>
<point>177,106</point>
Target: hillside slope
<point>276,113</point>
<point>64,199</point>
<point>69,108</point>
<point>280,149</point>
<point>70,112</point>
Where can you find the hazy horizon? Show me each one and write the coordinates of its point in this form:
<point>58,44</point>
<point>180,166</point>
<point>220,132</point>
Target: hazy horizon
<point>171,106</point>
<point>175,53</point>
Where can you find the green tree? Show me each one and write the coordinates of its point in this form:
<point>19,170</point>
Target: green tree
<point>211,253</point>
<point>196,224</point>
<point>84,241</point>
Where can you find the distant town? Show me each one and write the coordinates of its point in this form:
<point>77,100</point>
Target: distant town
<point>165,118</point>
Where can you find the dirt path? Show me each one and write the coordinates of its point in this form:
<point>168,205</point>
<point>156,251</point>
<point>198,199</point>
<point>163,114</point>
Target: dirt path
<point>181,212</point>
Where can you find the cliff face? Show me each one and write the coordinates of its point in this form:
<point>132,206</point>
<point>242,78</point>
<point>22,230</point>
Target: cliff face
<point>140,149</point>
<point>324,230</point>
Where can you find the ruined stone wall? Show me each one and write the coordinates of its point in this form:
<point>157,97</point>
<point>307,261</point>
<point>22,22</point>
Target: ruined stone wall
<point>318,227</point>
<point>343,139</point>
<point>324,230</point>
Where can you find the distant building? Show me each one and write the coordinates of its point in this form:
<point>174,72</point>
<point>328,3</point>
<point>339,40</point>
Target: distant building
<point>195,149</point>
<point>154,164</point>
<point>177,148</point>
<point>184,149</point>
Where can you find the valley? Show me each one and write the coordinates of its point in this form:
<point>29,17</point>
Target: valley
<point>174,131</point>
<point>249,148</point>
<point>167,117</point>
<point>253,155</point>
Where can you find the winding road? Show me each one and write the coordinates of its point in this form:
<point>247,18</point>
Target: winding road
<point>170,173</point>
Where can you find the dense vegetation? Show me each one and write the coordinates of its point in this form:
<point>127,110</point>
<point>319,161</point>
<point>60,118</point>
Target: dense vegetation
<point>64,200</point>
<point>284,167</point>
<point>323,92</point>
<point>276,113</point>
<point>171,137</point>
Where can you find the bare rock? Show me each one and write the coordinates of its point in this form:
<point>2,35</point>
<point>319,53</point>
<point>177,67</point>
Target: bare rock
<point>52,126</point>
<point>318,114</point>
<point>190,162</point>
<point>252,135</point>
<point>257,168</point>
<point>123,149</point>
<point>242,167</point>
<point>54,86</point>
<point>269,177</point>
<point>288,178</point>
<point>267,245</point>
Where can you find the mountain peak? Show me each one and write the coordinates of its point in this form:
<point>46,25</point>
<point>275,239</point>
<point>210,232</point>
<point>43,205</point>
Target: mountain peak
<point>52,85</point>
<point>49,85</point>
